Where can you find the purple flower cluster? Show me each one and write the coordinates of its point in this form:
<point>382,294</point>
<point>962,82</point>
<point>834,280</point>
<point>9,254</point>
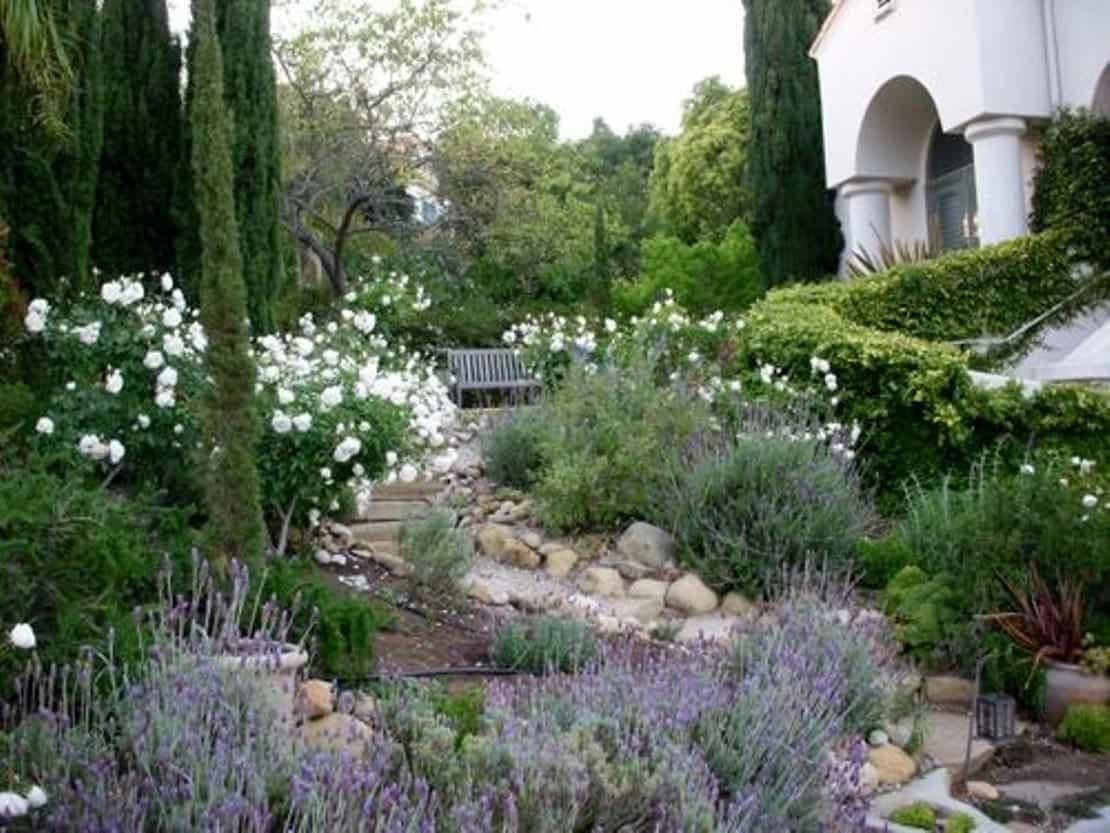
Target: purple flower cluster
<point>670,740</point>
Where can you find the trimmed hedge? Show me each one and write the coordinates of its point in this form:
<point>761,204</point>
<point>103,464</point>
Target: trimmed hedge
<point>965,294</point>
<point>922,414</point>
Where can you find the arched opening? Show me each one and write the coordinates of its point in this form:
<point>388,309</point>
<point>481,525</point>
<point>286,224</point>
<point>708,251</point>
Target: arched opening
<point>1101,103</point>
<point>951,203</point>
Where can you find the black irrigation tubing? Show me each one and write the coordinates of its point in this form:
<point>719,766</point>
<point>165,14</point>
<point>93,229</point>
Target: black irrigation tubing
<point>433,672</point>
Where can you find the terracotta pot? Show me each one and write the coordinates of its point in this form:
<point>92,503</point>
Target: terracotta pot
<point>1066,685</point>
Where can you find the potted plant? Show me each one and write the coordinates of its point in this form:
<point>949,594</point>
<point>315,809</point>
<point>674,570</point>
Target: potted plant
<point>1048,623</point>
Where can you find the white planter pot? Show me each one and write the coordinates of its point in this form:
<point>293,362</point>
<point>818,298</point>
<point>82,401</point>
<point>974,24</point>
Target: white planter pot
<point>1066,685</point>
<point>275,673</point>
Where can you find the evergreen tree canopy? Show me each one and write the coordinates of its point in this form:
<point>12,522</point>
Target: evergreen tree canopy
<point>235,525</point>
<point>142,139</point>
<point>795,228</point>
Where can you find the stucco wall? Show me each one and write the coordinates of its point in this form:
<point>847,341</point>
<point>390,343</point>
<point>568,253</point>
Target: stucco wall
<point>1083,28</point>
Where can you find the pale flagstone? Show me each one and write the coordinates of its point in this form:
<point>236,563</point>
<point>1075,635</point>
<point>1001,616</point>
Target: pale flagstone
<point>935,790</point>
<point>1097,825</point>
<point>1042,793</point>
<point>946,742</point>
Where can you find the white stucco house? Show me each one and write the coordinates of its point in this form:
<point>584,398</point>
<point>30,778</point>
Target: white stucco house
<point>932,110</point>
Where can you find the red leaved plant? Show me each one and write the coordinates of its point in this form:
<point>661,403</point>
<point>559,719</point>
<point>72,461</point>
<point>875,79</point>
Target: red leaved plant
<point>1048,622</point>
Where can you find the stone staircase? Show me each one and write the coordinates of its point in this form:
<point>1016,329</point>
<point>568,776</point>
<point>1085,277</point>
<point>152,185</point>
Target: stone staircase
<point>393,504</point>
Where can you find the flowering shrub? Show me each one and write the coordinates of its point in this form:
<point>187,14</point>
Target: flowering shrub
<point>341,407</point>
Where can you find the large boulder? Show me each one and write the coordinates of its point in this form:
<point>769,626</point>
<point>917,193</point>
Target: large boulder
<point>649,588</point>
<point>893,765</point>
<point>648,545</point>
<point>737,604</point>
<point>501,544</point>
<point>644,611</point>
<point>601,581</point>
<point>690,595</point>
<point>338,732</point>
<point>560,562</point>
<point>315,699</point>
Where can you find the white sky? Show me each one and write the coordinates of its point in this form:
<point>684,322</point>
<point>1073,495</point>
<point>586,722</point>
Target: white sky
<point>628,61</point>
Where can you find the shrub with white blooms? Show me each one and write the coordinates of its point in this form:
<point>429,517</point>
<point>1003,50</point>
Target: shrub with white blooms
<point>128,369</point>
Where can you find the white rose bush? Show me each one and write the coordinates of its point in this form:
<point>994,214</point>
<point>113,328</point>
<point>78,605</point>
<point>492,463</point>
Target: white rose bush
<point>340,406</point>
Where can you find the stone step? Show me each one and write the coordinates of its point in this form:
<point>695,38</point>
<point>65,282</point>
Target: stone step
<point>376,531</point>
<point>417,490</point>
<point>396,510</point>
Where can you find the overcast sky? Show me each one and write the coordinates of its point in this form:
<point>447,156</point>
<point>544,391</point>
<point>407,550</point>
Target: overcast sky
<point>628,61</point>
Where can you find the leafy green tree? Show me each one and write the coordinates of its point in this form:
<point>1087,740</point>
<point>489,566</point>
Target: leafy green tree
<point>698,185</point>
<point>48,179</point>
<point>235,525</point>
<point>133,224</point>
<point>705,276</point>
<point>795,229</point>
<point>602,276</point>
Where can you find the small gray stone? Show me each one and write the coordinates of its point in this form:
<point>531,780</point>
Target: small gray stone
<point>690,595</point>
<point>649,545</point>
<point>560,562</point>
<point>601,581</point>
<point>878,738</point>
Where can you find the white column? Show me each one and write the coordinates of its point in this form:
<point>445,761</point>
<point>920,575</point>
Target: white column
<point>998,177</point>
<point>868,204</point>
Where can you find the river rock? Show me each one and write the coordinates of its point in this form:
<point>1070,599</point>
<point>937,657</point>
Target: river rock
<point>500,544</point>
<point>690,595</point>
<point>338,732</point>
<point>560,562</point>
<point>737,604</point>
<point>315,699</point>
<point>649,588</point>
<point>648,545</point>
<point>894,765</point>
<point>601,581</point>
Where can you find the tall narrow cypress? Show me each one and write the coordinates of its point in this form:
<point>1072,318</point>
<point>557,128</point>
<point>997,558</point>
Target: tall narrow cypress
<point>232,495</point>
<point>796,231</point>
<point>133,224</point>
<point>250,91</point>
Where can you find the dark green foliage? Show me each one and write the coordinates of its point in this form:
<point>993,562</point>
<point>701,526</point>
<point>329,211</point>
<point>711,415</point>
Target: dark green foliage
<point>133,227</point>
<point>603,278</point>
<point>250,93</point>
<point>751,509</point>
<point>345,623</point>
<point>925,611</point>
<point>440,553</point>
<point>705,277</point>
<point>962,295</point>
<point>1072,188</point>
<point>919,815</point>
<point>513,450</point>
<point>544,645</point>
<point>236,529</point>
<point>880,559</point>
<point>48,181</point>
<point>1087,727</point>
<point>608,436</point>
<point>76,559</point>
<point>795,229</point>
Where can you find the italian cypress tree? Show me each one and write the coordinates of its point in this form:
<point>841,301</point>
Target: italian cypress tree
<point>235,526</point>
<point>250,91</point>
<point>796,231</point>
<point>133,224</point>
<point>48,180</point>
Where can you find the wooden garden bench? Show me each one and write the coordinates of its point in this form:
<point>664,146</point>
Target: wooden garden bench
<point>494,369</point>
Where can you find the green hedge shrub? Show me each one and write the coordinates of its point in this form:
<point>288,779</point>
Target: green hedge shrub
<point>513,450</point>
<point>1072,188</point>
<point>921,413</point>
<point>1086,726</point>
<point>925,611</point>
<point>963,294</point>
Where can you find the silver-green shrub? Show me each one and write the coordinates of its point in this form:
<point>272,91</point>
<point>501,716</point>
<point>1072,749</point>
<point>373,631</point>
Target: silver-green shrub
<point>440,553</point>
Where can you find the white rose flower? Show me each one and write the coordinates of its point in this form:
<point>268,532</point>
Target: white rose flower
<point>173,344</point>
<point>45,425</point>
<point>365,322</point>
<point>331,397</point>
<point>1027,469</point>
<point>331,357</point>
<point>111,292</point>
<point>408,473</point>
<point>830,381</point>
<point>88,444</point>
<point>285,396</point>
<point>347,449</point>
<point>12,805</point>
<point>171,318</point>
<point>358,469</point>
<point>167,282</point>
<point>89,334</point>
<point>116,451</point>
<point>391,458</point>
<point>35,320</point>
<point>302,422</point>
<point>325,473</point>
<point>1090,501</point>
<point>179,428</point>
<point>22,636</point>
<point>165,398</point>
<point>114,382</point>
<point>153,360</point>
<point>36,797</point>
<point>281,423</point>
<point>143,420</point>
<point>167,378</point>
